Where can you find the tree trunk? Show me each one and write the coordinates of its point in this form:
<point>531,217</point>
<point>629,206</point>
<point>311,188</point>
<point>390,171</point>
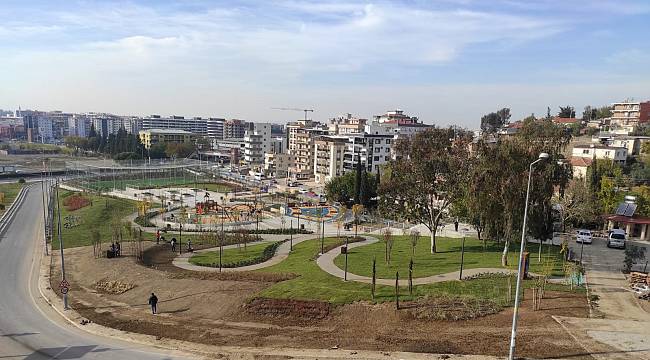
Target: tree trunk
<point>504,256</point>
<point>433,241</point>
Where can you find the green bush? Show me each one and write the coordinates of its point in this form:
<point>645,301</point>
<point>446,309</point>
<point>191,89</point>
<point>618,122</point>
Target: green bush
<point>21,181</point>
<point>287,231</point>
<point>268,253</point>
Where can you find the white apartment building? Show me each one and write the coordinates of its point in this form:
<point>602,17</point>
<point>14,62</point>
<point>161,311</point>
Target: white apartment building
<point>257,142</point>
<point>395,116</point>
<point>329,153</point>
<point>197,125</point>
<point>617,154</point>
<point>78,125</point>
<point>215,127</point>
<point>278,164</point>
<point>44,126</point>
<point>627,116</point>
<point>347,124</point>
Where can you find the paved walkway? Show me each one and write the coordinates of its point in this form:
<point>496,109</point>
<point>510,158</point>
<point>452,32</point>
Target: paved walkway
<point>326,263</point>
<point>281,253</point>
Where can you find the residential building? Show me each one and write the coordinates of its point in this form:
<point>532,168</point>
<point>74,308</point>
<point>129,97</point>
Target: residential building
<point>597,151</point>
<point>627,116</point>
<point>105,124</point>
<point>215,128</point>
<point>395,116</point>
<point>278,144</point>
<point>580,165</point>
<point>303,150</point>
<point>132,124</point>
<point>257,142</point>
<point>234,128</point>
<point>278,164</point>
<point>373,148</point>
<point>78,125</point>
<point>329,153</point>
<point>566,122</point>
<point>152,137</point>
<point>347,124</point>
<point>197,125</point>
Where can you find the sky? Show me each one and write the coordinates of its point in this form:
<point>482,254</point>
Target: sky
<point>447,62</point>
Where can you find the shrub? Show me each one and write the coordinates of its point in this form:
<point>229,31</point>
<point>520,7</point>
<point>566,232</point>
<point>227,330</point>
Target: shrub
<point>286,231</point>
<point>21,180</point>
<point>268,253</point>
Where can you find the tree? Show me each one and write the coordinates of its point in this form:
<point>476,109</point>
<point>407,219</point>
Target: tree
<point>427,177</point>
<point>608,196</point>
<point>341,188</point>
<point>567,112</point>
<point>357,181</point>
<point>492,122</point>
<point>579,205</point>
<point>357,209</point>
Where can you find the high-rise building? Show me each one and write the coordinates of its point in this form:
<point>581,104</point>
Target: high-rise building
<point>197,125</point>
<point>215,128</point>
<point>328,157</point>
<point>78,125</point>
<point>257,139</point>
<point>234,128</point>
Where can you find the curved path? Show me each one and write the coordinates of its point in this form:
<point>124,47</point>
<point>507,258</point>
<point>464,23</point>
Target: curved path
<point>326,263</point>
<point>29,327</point>
<point>282,252</point>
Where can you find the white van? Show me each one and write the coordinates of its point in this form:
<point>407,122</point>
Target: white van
<point>616,239</point>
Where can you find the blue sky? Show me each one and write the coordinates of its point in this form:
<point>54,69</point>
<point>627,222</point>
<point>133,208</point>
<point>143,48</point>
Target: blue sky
<point>447,62</point>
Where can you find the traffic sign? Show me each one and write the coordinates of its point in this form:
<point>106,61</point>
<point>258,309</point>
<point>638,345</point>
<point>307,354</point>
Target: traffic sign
<point>64,284</point>
<point>64,290</point>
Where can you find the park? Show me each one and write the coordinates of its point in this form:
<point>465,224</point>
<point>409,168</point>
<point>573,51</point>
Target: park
<point>292,268</point>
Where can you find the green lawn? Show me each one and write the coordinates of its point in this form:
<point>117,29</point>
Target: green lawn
<point>447,258</point>
<point>10,191</point>
<point>229,255</point>
<point>314,284</point>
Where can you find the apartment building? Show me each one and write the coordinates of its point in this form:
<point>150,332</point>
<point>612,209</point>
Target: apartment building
<point>79,125</point>
<point>278,164</point>
<point>257,142</point>
<point>597,151</point>
<point>627,116</point>
<point>372,147</point>
<point>328,157</point>
<point>346,124</point>
<point>196,125</point>
<point>234,128</point>
<point>152,137</point>
<point>395,116</point>
<point>215,128</point>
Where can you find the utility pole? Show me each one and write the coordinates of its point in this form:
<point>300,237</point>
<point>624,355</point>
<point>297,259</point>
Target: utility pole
<point>63,280</point>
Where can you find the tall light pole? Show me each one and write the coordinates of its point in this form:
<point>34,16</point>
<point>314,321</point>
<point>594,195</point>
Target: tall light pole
<point>63,279</point>
<point>513,334</point>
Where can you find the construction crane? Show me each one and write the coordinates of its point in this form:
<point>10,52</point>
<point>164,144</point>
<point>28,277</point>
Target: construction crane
<point>295,109</point>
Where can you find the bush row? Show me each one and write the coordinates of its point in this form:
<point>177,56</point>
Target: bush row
<point>267,254</point>
<point>287,231</point>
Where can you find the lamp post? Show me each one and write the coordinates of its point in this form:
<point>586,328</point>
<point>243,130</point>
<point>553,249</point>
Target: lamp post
<point>513,334</point>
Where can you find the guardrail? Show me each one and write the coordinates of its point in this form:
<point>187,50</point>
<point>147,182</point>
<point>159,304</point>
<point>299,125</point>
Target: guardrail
<point>11,212</point>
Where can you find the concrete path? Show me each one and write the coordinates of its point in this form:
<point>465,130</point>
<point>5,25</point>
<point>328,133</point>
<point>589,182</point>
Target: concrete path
<point>619,321</point>
<point>281,253</point>
<point>326,263</point>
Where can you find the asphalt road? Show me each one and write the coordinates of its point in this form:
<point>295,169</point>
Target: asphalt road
<point>31,329</point>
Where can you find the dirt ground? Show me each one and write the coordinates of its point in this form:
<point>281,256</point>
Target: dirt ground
<point>217,309</point>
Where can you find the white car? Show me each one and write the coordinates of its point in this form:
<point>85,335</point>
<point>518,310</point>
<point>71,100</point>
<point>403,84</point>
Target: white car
<point>616,239</point>
<point>583,236</point>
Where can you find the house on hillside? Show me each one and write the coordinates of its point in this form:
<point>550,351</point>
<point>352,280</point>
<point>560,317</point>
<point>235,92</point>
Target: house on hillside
<point>598,151</point>
<point>580,165</point>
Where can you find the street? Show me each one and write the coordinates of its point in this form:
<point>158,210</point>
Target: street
<point>618,320</point>
<point>31,329</point>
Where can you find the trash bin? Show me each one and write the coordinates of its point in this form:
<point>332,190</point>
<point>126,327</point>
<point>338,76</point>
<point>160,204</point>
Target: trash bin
<point>344,249</point>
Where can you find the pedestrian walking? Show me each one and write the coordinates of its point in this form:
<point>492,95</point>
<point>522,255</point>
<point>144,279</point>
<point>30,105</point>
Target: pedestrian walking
<point>153,301</point>
<point>456,225</point>
<point>173,244</point>
<point>118,249</point>
<point>157,237</point>
<point>189,246</point>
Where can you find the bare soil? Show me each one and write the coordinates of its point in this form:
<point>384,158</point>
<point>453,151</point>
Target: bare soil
<point>221,309</point>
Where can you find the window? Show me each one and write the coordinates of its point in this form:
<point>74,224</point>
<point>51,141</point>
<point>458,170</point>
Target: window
<point>377,141</point>
<point>387,150</point>
<point>585,151</point>
<point>376,158</point>
<point>377,150</point>
<point>387,158</point>
<point>387,141</point>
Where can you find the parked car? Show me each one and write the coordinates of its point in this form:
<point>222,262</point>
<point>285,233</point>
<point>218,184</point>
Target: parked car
<point>303,191</point>
<point>616,239</point>
<point>583,236</point>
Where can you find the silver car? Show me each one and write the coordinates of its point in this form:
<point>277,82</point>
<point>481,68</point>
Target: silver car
<point>616,239</point>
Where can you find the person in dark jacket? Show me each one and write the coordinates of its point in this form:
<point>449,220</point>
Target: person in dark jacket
<point>153,301</point>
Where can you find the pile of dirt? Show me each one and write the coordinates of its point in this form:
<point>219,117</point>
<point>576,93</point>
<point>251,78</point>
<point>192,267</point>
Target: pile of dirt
<point>113,287</point>
<point>450,308</point>
<point>297,310</point>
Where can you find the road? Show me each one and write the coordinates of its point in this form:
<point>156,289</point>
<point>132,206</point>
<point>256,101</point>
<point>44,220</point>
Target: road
<point>618,321</point>
<point>31,329</point>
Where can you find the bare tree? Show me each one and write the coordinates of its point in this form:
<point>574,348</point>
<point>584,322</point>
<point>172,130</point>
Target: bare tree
<point>387,234</point>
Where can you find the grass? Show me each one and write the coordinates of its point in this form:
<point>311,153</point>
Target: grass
<point>10,191</point>
<point>447,258</point>
<point>314,284</point>
<point>232,255</point>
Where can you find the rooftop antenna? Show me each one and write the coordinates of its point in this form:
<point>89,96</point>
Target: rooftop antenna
<point>294,109</point>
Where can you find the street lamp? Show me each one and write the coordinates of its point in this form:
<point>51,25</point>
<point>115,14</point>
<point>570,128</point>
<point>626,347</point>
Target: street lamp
<point>513,334</point>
